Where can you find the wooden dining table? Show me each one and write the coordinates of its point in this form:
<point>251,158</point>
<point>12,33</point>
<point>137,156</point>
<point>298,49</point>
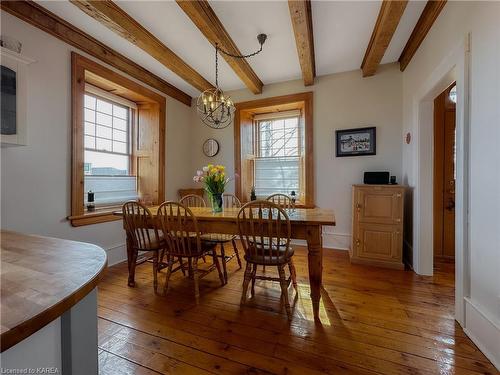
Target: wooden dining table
<point>306,224</point>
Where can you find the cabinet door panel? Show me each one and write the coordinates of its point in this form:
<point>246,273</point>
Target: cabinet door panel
<point>378,241</point>
<point>382,206</point>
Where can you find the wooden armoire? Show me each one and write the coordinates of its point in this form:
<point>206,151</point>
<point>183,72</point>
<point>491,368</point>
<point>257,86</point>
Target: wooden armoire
<point>377,225</point>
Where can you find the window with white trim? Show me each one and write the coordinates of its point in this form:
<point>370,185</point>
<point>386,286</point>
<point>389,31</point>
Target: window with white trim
<point>108,147</point>
<point>278,164</point>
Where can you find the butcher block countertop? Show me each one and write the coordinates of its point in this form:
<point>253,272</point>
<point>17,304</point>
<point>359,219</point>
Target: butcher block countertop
<point>41,278</point>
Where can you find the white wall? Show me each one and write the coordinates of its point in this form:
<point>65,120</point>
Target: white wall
<point>341,101</point>
<point>482,21</point>
<point>35,179</point>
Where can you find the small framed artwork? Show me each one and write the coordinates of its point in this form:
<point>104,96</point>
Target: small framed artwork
<point>13,85</point>
<point>356,142</point>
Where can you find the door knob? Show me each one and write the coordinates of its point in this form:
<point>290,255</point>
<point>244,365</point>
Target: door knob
<point>451,205</point>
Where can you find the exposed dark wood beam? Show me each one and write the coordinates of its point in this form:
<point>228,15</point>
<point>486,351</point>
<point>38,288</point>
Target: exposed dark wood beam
<point>301,15</point>
<point>117,20</point>
<point>203,16</point>
<point>41,18</point>
<point>388,19</point>
<point>424,24</point>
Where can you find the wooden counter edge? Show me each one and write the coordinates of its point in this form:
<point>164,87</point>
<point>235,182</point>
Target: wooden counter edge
<point>14,336</point>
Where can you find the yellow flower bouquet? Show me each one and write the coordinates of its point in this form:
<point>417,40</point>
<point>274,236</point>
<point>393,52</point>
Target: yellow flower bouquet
<point>214,180</point>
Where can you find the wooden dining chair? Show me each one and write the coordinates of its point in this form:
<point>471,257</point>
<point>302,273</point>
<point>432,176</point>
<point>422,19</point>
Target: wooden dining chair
<point>265,230</point>
<point>183,240</point>
<point>229,201</point>
<point>143,236</point>
<point>282,200</point>
<point>193,200</point>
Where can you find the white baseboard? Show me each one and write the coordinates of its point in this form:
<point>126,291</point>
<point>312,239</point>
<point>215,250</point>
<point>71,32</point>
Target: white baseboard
<point>483,331</point>
<point>116,254</point>
<point>338,241</point>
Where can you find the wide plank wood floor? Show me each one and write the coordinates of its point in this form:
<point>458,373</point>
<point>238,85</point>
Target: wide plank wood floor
<point>374,321</point>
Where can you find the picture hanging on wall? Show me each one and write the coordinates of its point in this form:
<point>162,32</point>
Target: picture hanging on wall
<point>356,142</point>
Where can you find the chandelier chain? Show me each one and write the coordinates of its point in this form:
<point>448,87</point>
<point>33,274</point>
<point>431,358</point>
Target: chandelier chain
<point>242,56</point>
<point>216,65</point>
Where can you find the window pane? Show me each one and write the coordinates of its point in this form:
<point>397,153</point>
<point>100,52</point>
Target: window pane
<point>120,111</point>
<point>89,128</point>
<point>103,144</point>
<point>99,163</point>
<point>291,122</point>
<point>278,166</point>
<point>89,142</point>
<point>120,147</point>
<point>89,115</point>
<point>89,102</point>
<point>119,124</point>
<point>103,132</point>
<point>105,107</point>
<point>119,135</point>
<point>103,119</point>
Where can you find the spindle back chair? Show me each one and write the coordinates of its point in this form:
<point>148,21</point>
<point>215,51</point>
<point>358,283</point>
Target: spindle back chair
<point>282,200</point>
<point>183,240</point>
<point>230,201</point>
<point>265,230</point>
<point>193,200</point>
<point>143,235</point>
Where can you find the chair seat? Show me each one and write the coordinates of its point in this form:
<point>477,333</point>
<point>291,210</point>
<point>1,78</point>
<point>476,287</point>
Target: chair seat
<point>217,237</point>
<point>154,245</point>
<point>258,257</point>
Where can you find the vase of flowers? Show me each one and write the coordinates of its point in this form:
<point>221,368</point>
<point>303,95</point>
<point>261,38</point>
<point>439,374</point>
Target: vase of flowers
<point>214,180</point>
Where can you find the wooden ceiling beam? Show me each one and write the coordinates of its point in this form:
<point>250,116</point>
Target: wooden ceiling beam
<point>41,18</point>
<point>301,15</point>
<point>388,20</point>
<point>203,16</point>
<point>117,20</point>
<point>429,15</point>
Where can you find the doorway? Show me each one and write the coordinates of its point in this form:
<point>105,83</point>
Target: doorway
<point>444,173</point>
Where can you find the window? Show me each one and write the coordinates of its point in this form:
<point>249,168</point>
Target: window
<point>117,152</point>
<point>274,148</point>
<point>107,137</point>
<point>278,156</point>
<point>108,148</point>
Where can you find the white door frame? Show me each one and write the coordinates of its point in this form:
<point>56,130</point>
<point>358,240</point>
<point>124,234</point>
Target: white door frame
<point>454,67</point>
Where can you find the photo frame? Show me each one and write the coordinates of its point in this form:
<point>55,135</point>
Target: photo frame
<point>13,96</point>
<point>356,142</point>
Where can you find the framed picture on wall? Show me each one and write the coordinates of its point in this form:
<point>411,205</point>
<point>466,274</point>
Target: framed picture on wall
<point>13,97</point>
<point>356,142</point>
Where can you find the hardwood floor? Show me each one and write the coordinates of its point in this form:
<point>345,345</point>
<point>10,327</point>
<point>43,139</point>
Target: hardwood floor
<point>373,321</point>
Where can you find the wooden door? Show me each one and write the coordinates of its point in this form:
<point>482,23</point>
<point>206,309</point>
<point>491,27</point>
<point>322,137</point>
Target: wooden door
<point>378,242</point>
<point>444,173</point>
<point>379,205</point>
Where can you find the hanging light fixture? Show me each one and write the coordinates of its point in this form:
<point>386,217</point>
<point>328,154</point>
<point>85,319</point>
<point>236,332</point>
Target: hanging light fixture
<point>214,108</point>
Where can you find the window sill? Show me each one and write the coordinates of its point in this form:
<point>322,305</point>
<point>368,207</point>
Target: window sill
<point>100,215</point>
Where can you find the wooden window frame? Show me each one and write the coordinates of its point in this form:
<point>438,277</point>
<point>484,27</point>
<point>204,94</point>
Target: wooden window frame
<point>84,70</point>
<point>244,130</point>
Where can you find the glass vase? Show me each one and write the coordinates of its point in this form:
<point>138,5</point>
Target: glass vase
<point>216,200</point>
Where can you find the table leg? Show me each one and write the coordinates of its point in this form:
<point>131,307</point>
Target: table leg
<point>130,262</point>
<point>315,263</point>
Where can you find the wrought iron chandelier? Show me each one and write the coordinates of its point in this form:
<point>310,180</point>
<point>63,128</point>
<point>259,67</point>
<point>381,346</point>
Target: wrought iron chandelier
<point>214,108</point>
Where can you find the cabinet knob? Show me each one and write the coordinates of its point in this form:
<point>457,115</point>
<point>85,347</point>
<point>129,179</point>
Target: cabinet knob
<point>398,220</point>
<point>358,206</point>
<point>358,242</point>
<point>398,195</point>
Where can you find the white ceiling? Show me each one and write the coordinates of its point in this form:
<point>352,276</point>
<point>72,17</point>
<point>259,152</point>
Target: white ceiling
<point>342,30</point>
